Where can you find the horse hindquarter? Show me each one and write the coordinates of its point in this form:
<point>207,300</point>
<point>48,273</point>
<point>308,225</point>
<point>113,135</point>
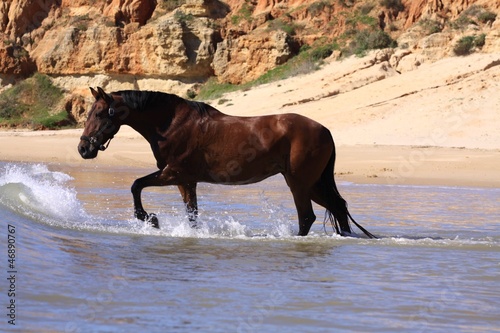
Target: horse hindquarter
<point>311,146</point>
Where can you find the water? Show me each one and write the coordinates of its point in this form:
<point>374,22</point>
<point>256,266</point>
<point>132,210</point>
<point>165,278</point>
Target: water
<point>84,265</point>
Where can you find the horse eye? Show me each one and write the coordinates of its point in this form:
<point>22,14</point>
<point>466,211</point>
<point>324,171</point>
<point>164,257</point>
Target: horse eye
<point>111,112</point>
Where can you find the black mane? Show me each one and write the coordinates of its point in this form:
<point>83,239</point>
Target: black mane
<point>143,100</point>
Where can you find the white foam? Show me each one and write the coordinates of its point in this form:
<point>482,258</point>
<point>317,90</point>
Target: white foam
<point>32,190</point>
<point>35,191</point>
<point>47,197</point>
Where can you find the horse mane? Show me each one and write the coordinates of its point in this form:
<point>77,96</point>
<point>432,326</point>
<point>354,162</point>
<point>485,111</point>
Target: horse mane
<point>144,100</point>
<point>200,107</point>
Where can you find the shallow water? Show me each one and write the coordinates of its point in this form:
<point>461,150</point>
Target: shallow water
<point>84,265</point>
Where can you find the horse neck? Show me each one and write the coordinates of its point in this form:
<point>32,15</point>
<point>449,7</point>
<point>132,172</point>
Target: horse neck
<point>153,122</point>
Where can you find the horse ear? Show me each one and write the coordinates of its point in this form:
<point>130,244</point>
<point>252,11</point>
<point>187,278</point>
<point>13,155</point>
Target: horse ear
<point>105,96</point>
<point>94,93</point>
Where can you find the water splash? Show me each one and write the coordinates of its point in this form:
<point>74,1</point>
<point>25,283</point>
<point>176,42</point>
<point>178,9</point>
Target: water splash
<point>38,193</point>
<point>48,197</point>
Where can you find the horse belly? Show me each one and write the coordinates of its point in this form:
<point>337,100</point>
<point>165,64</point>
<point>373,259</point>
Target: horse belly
<point>246,164</point>
<point>238,172</point>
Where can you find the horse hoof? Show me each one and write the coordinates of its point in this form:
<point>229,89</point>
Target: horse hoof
<point>195,225</point>
<point>153,220</point>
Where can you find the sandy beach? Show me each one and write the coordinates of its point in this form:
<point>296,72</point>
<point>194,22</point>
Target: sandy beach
<point>435,125</point>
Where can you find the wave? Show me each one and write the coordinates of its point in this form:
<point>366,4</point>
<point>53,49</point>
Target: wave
<point>36,192</point>
<point>44,196</point>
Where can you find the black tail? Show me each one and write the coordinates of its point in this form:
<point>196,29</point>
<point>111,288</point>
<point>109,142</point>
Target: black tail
<point>337,212</point>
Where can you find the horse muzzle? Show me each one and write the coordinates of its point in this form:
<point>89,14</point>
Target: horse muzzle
<point>87,150</point>
<point>90,146</point>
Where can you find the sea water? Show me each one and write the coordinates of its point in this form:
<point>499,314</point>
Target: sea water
<point>84,264</point>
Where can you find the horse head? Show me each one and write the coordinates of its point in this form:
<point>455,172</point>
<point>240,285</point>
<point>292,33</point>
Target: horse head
<point>103,122</point>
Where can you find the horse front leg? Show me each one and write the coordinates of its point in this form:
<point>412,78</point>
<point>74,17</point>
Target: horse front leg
<point>153,179</point>
<point>188,193</point>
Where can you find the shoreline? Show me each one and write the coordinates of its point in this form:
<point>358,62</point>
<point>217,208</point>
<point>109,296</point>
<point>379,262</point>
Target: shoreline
<point>363,164</point>
<point>389,127</point>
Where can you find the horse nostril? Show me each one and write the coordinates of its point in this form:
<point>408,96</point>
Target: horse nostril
<point>82,150</point>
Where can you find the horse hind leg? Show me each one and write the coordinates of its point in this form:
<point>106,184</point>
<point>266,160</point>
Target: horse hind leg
<point>325,193</point>
<point>335,205</point>
<point>306,215</point>
<point>305,210</point>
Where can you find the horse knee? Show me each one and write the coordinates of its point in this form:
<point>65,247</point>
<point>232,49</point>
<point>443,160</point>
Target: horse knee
<point>136,188</point>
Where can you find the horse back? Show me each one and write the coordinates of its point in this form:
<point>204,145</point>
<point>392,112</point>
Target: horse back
<point>248,149</point>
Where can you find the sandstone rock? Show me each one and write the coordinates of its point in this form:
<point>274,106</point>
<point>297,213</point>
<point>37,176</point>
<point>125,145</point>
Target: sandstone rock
<point>435,46</point>
<point>205,8</point>
<point>373,69</point>
<point>14,60</point>
<point>127,11</point>
<point>169,48</point>
<point>80,84</point>
<point>203,37</point>
<point>19,16</point>
<point>76,106</point>
<point>247,57</point>
<point>492,41</point>
<point>435,9</point>
<point>406,61</point>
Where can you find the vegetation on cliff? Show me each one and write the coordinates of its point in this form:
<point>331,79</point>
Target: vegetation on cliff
<point>203,48</point>
<point>33,103</point>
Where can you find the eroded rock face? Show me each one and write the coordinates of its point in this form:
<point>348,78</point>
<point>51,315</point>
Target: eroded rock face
<point>191,40</point>
<point>440,9</point>
<point>245,58</point>
<point>20,16</point>
<point>169,48</point>
<point>130,11</point>
<point>14,60</point>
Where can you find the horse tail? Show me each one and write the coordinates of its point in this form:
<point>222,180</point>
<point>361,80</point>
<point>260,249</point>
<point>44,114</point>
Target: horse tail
<point>336,212</point>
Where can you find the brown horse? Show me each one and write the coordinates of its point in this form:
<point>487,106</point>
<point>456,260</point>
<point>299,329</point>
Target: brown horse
<point>193,142</point>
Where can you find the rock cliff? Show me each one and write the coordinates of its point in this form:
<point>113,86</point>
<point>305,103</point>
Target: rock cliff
<point>171,45</point>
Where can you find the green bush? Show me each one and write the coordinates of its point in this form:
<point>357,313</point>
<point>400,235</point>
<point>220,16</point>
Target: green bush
<point>365,40</point>
<point>486,17</point>
<point>430,27</point>
<point>356,19</point>
<point>182,17</point>
<point>245,13</point>
<point>464,45</point>
<point>31,103</point>
<point>396,5</point>
<point>305,62</point>
<point>170,5</point>
<point>213,89</point>
<point>323,51</point>
<point>317,7</point>
<point>480,40</point>
<point>462,22</point>
<point>471,15</point>
<point>278,24</point>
